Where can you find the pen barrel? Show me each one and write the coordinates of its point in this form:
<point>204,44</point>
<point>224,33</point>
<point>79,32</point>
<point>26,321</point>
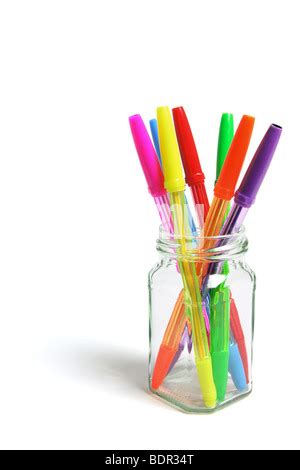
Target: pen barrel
<point>189,274</point>
<point>164,210</point>
<point>176,323</point>
<point>201,202</point>
<point>212,228</point>
<point>192,224</point>
<point>234,219</point>
<point>215,219</point>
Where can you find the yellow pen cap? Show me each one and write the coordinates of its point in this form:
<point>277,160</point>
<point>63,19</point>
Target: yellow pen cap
<point>170,155</point>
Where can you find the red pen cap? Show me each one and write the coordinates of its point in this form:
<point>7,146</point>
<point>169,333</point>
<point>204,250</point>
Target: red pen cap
<point>225,186</point>
<point>188,150</point>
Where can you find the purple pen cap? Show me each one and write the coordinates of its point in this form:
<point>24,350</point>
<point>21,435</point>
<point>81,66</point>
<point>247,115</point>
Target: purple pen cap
<point>254,176</point>
<point>147,155</point>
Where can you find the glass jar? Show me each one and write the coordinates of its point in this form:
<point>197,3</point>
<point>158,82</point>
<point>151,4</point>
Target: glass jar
<point>217,370</point>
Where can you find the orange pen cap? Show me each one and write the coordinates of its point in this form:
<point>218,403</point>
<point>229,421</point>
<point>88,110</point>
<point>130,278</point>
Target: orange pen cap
<point>225,186</point>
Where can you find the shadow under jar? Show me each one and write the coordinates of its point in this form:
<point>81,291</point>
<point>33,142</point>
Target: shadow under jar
<point>201,296</point>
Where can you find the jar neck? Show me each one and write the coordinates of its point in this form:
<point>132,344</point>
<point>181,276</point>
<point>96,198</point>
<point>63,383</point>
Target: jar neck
<point>199,248</point>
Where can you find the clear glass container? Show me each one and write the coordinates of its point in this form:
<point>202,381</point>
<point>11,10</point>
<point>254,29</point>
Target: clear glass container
<point>220,315</point>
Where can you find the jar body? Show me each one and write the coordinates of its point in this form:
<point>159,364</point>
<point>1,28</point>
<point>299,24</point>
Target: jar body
<point>228,311</point>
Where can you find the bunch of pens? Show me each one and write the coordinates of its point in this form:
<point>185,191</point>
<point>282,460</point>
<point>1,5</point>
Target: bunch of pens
<point>202,291</point>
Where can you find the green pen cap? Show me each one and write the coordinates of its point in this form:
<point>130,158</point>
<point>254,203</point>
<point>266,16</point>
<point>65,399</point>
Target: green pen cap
<point>226,134</point>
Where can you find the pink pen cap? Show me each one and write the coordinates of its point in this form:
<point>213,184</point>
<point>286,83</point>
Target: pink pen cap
<point>147,155</point>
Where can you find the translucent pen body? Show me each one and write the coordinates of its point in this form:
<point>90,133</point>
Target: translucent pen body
<point>182,313</point>
<point>177,322</point>
<point>163,206</point>
<point>189,275</point>
<point>235,219</point>
<point>212,228</point>
<point>232,224</point>
<point>215,219</point>
<point>193,296</point>
<point>201,203</point>
<point>155,138</point>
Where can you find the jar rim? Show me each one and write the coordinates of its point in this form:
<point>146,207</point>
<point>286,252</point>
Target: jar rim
<point>166,235</point>
<point>214,248</point>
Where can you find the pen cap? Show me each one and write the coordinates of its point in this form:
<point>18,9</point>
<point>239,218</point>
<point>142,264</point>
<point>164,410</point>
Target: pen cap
<point>226,133</point>
<point>230,172</point>
<point>254,176</point>
<point>188,150</point>
<point>147,155</point>
<point>171,162</point>
<point>154,133</point>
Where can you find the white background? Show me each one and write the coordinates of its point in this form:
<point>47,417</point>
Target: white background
<point>78,228</point>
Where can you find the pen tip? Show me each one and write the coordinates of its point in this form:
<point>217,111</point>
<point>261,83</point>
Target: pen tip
<point>163,362</point>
